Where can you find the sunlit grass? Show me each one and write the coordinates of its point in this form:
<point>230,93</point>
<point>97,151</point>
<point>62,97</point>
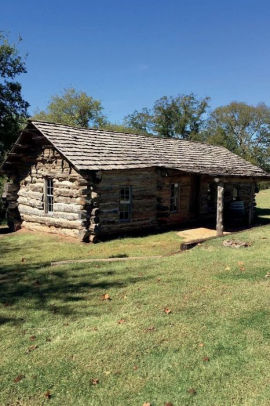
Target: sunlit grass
<point>59,335</point>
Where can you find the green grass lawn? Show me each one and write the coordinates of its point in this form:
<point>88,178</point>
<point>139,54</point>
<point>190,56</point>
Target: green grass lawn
<point>58,335</point>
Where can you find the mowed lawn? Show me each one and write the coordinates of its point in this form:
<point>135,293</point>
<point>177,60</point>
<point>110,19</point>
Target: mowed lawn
<point>190,329</point>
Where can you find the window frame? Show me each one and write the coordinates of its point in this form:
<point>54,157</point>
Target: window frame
<point>174,197</point>
<point>125,202</point>
<point>48,196</point>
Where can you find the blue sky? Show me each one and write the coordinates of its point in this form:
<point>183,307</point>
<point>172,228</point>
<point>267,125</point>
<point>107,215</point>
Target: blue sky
<point>129,53</point>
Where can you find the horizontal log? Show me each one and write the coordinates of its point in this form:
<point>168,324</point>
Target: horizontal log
<point>68,208</point>
<point>52,221</point>
<point>51,229</point>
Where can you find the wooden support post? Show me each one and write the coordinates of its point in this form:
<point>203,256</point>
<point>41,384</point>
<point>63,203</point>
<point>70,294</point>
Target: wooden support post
<point>251,205</point>
<point>220,194</point>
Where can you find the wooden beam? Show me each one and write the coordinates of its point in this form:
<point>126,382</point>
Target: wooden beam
<point>251,205</point>
<point>220,203</point>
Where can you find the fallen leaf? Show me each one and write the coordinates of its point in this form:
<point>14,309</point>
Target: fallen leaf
<point>48,394</point>
<point>167,310</point>
<point>240,263</point>
<point>135,367</point>
<point>147,404</point>
<point>201,345</point>
<point>32,338</point>
<point>107,372</point>
<point>267,275</point>
<point>106,296</point>
<point>158,279</point>
<point>121,321</point>
<point>94,381</point>
<point>32,348</point>
<point>151,328</point>
<point>19,378</point>
<point>206,359</point>
<point>242,268</point>
<point>168,404</point>
<point>228,268</point>
<point>192,391</point>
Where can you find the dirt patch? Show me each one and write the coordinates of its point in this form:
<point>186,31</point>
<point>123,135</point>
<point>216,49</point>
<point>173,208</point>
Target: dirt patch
<point>200,233</point>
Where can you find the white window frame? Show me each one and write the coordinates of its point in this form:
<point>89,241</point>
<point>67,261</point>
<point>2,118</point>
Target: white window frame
<point>48,195</point>
<point>174,197</point>
<point>127,202</point>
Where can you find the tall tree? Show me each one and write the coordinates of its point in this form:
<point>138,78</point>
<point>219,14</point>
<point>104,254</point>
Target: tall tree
<point>181,117</point>
<point>243,129</point>
<point>13,108</point>
<point>73,108</point>
<point>140,121</point>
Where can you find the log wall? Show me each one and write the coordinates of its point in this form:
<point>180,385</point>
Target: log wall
<point>26,196</point>
<point>151,191</point>
<point>143,184</point>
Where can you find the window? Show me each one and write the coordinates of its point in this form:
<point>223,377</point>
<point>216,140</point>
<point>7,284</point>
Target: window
<point>48,195</point>
<point>235,194</point>
<point>125,204</point>
<point>174,198</point>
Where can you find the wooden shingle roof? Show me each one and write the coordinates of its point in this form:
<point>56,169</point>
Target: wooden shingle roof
<point>92,149</point>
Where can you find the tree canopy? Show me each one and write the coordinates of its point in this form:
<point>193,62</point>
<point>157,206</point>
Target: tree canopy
<point>13,107</point>
<point>243,129</point>
<point>181,116</point>
<point>73,108</point>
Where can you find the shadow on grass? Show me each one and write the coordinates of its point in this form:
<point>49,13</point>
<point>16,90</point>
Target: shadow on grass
<point>4,230</point>
<point>37,285</point>
<point>258,320</point>
<point>263,215</point>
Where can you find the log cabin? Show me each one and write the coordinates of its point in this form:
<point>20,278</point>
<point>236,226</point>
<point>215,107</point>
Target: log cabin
<point>93,184</point>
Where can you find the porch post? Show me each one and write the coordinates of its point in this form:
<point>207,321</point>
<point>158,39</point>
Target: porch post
<point>220,194</point>
<point>251,205</point>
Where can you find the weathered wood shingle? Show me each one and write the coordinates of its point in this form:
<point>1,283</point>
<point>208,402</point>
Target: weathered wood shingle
<point>92,149</point>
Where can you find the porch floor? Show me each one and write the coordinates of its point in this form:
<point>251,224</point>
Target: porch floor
<point>198,233</point>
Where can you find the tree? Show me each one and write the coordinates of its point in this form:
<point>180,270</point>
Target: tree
<point>243,129</point>
<point>121,128</point>
<point>73,108</point>
<point>140,121</point>
<point>180,117</point>
<point>13,108</point>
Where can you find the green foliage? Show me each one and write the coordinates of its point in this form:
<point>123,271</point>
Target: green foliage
<point>120,128</point>
<point>13,108</point>
<point>73,108</point>
<point>243,129</point>
<point>140,121</point>
<point>180,117</point>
